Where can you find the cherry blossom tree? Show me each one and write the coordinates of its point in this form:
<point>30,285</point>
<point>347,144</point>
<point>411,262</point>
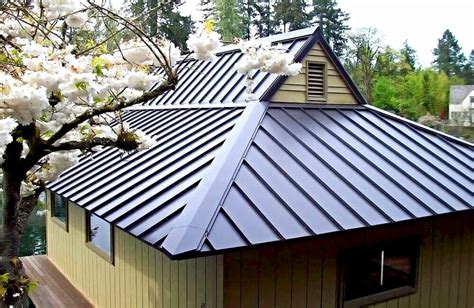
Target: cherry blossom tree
<point>58,100</point>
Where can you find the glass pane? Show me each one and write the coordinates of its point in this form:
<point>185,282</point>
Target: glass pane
<point>59,210</point>
<point>363,270</point>
<point>100,233</point>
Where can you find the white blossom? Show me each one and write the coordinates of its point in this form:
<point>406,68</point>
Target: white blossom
<point>204,43</point>
<point>267,58</point>
<point>56,163</point>
<point>144,140</point>
<point>141,81</point>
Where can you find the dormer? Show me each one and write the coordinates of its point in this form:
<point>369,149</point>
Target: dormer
<point>321,81</point>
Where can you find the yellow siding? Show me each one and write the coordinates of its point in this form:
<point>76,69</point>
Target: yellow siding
<point>305,273</point>
<point>141,276</point>
<point>293,90</point>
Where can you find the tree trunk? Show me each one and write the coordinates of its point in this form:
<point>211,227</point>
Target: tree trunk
<point>13,174</point>
<point>11,201</point>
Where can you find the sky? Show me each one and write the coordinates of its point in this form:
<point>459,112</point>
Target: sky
<point>421,22</point>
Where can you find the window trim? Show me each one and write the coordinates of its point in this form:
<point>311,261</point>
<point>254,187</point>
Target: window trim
<point>384,295</point>
<point>108,257</point>
<point>63,224</point>
<point>325,80</point>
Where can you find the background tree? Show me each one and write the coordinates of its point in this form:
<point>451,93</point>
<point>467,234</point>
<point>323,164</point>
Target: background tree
<point>333,23</point>
<point>292,14</point>
<point>410,55</point>
<point>392,63</point>
<point>163,20</point>
<point>448,55</point>
<point>361,59</point>
<point>207,9</point>
<point>171,24</point>
<point>263,21</point>
<point>230,23</point>
<point>468,70</point>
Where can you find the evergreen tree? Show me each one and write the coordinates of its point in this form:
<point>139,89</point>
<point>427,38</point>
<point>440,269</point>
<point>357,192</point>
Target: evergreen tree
<point>171,24</point>
<point>207,9</point>
<point>468,71</point>
<point>333,23</point>
<point>229,22</point>
<point>247,14</point>
<point>291,14</point>
<point>410,54</point>
<point>262,18</point>
<point>163,19</point>
<point>448,55</point>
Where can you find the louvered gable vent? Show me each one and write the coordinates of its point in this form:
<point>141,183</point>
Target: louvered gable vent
<point>316,81</point>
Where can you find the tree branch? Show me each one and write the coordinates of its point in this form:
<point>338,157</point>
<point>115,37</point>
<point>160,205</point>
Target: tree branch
<point>162,88</point>
<point>84,145</point>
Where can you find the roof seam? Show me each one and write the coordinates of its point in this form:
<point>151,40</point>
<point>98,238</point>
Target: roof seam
<point>420,126</point>
<point>403,145</point>
<point>424,205</point>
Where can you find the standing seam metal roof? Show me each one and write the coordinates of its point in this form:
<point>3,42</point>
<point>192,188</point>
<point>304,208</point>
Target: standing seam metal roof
<point>225,175</point>
<point>312,171</point>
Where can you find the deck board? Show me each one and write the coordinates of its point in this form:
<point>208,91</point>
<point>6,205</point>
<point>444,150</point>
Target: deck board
<point>54,289</point>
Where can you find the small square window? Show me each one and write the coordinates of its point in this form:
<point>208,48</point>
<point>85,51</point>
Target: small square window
<point>59,208</point>
<point>100,236</point>
<point>379,273</point>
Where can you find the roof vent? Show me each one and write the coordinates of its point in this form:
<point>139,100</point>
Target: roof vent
<point>316,81</point>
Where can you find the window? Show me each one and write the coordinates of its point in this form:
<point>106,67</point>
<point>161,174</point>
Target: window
<point>379,273</point>
<point>59,209</point>
<point>316,81</point>
<point>100,236</point>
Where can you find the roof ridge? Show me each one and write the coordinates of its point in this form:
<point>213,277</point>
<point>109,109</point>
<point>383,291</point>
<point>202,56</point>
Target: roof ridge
<point>192,226</point>
<point>420,126</point>
<point>271,39</point>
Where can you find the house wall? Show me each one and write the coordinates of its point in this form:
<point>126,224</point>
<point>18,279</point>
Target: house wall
<point>141,275</point>
<point>462,113</point>
<point>293,89</point>
<point>305,273</point>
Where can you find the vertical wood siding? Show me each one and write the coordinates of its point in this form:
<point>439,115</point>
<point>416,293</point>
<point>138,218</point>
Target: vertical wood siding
<point>293,90</point>
<point>141,276</point>
<point>305,273</point>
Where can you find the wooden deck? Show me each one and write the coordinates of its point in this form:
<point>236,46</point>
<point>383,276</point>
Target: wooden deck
<point>54,289</point>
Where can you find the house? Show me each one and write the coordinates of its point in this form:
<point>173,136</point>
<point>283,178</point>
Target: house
<point>461,104</point>
<point>303,197</point>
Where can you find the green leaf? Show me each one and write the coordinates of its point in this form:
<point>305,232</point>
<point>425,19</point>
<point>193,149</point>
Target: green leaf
<point>4,278</point>
<point>81,85</point>
<point>98,70</point>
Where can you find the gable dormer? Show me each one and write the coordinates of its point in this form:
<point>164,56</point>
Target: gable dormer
<point>321,81</point>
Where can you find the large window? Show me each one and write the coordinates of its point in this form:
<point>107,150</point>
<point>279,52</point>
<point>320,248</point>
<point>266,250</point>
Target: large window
<point>59,209</point>
<point>100,236</point>
<point>379,273</point>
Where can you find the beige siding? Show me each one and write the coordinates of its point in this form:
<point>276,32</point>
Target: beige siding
<point>305,273</point>
<point>141,276</point>
<point>293,89</point>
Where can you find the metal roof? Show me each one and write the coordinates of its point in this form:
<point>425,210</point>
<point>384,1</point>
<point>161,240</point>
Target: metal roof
<point>218,82</point>
<point>228,173</point>
<point>144,192</point>
<point>312,171</point>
